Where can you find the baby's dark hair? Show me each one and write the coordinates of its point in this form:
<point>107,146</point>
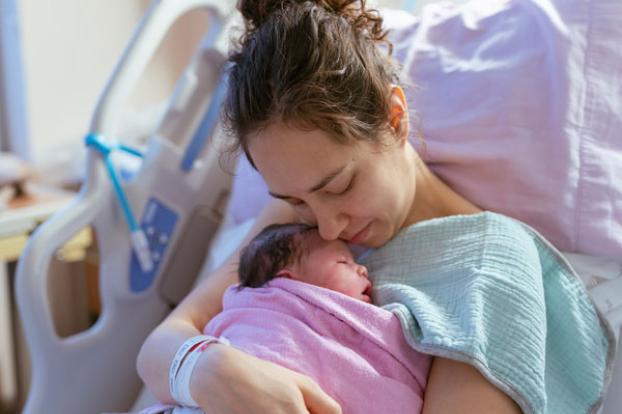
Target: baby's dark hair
<point>273,249</point>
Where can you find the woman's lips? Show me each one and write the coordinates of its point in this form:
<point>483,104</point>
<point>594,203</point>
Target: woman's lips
<point>360,236</point>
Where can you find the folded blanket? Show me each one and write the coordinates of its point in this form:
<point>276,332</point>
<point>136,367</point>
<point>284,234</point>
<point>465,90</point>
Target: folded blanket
<point>490,291</point>
<point>355,351</point>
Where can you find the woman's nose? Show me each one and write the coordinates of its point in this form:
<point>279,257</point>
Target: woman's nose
<point>331,225</point>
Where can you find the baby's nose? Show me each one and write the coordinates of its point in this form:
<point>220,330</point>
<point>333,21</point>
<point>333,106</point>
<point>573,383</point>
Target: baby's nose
<point>362,270</point>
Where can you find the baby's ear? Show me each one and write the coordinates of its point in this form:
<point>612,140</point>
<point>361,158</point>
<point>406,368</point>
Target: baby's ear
<point>286,273</point>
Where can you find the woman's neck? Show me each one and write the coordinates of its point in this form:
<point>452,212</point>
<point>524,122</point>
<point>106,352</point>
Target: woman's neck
<point>434,198</point>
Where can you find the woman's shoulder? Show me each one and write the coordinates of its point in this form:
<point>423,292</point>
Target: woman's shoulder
<point>472,238</point>
<point>468,225</point>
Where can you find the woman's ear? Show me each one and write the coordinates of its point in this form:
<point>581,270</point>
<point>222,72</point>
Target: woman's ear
<point>398,113</point>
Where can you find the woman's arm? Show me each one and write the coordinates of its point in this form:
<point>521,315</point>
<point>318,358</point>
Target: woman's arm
<point>186,320</point>
<point>225,377</point>
<point>458,388</point>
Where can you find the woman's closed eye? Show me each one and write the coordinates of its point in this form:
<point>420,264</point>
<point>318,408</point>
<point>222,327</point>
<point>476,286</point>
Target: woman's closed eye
<point>344,189</point>
<point>298,203</point>
<point>294,202</point>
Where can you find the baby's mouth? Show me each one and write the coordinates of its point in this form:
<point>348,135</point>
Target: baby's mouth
<point>367,290</point>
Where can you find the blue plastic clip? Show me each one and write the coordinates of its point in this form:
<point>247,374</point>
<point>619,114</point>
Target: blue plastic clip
<point>138,239</point>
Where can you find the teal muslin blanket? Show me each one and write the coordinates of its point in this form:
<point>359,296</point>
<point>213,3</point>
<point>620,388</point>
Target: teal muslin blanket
<point>488,290</point>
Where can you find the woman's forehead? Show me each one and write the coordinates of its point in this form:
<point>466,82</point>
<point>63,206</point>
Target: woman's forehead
<point>294,160</point>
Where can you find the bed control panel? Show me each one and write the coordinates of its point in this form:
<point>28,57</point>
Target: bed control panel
<point>158,224</point>
<point>185,262</point>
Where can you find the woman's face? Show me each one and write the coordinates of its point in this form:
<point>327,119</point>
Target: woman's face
<point>361,193</point>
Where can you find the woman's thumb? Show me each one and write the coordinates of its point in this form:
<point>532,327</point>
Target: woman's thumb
<point>316,400</point>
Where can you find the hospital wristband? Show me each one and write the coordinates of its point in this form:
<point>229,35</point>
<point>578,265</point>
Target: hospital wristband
<point>179,356</point>
<point>183,365</point>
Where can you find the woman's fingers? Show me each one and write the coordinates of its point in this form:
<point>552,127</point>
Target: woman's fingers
<point>315,399</point>
<point>227,380</point>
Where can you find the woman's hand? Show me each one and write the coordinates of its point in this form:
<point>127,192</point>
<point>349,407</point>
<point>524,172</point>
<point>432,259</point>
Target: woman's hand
<point>229,381</point>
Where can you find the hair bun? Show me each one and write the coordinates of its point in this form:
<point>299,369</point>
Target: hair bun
<point>255,12</point>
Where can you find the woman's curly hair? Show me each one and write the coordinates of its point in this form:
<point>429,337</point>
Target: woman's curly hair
<point>312,65</point>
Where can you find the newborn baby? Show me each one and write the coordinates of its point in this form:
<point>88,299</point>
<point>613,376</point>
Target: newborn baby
<point>304,303</point>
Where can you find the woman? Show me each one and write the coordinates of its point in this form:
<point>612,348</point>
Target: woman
<point>314,101</point>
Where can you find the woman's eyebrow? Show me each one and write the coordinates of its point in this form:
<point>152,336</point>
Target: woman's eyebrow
<point>318,186</point>
<point>327,179</point>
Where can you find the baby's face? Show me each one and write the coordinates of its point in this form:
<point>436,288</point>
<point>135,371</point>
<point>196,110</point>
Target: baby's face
<point>330,264</point>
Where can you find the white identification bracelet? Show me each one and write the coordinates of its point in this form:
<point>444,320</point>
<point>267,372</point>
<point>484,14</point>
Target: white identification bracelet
<point>183,364</point>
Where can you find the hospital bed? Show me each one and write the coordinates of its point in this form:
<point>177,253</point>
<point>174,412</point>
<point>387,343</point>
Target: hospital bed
<point>179,196</point>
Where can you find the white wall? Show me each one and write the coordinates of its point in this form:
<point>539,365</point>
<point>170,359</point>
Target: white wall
<point>70,48</point>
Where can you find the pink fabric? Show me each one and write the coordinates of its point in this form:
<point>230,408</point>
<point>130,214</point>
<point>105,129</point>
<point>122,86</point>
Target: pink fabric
<point>355,351</point>
<point>519,102</point>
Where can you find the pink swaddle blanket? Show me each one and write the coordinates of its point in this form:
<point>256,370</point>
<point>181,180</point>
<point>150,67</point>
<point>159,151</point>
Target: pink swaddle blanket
<point>355,351</point>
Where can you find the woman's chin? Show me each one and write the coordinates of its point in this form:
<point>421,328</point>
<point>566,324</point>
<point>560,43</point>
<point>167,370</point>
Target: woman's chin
<point>375,239</point>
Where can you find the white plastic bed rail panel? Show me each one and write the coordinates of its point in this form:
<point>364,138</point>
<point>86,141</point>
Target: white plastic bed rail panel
<point>153,28</point>
<point>94,371</point>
